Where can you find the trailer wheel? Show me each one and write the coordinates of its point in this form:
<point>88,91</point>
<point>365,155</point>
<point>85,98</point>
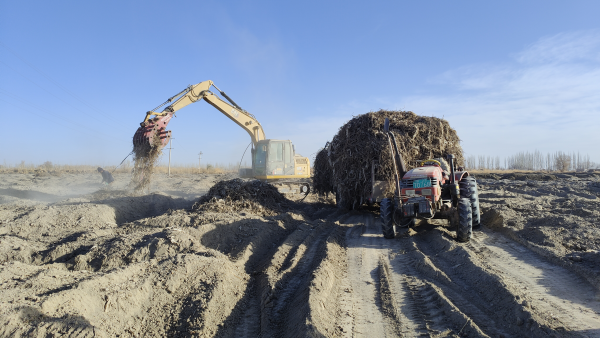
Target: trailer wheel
<point>468,189</point>
<point>386,211</point>
<point>465,217</point>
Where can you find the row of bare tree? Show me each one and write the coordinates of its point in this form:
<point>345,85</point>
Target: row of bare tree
<point>558,161</point>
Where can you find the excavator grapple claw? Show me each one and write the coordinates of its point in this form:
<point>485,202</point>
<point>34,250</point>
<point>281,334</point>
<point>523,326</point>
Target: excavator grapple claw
<point>153,133</point>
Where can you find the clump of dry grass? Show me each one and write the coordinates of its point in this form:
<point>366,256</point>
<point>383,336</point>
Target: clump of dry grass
<point>126,168</point>
<point>237,195</point>
<point>42,170</point>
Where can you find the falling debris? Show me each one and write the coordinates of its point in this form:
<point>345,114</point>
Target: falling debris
<point>145,157</point>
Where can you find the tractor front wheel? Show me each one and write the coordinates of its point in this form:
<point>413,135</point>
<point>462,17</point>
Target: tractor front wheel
<point>386,211</point>
<point>465,220</point>
<point>468,189</point>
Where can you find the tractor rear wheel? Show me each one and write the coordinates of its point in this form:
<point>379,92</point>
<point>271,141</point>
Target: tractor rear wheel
<point>465,217</point>
<point>386,211</point>
<point>468,189</point>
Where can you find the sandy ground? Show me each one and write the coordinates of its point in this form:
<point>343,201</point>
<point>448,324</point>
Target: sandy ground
<point>79,260</point>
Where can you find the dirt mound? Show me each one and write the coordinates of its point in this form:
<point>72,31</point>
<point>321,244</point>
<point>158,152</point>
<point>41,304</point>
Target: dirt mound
<point>528,177</point>
<point>491,176</point>
<point>237,195</point>
<point>518,176</point>
<point>556,218</point>
<point>348,159</point>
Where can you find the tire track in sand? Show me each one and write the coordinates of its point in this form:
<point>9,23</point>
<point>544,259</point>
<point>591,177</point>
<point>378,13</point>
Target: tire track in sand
<point>277,304</point>
<point>550,290</point>
<point>502,287</point>
<point>426,284</point>
<point>381,303</point>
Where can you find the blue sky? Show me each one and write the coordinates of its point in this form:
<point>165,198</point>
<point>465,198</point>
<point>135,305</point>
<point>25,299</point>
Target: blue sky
<point>76,77</point>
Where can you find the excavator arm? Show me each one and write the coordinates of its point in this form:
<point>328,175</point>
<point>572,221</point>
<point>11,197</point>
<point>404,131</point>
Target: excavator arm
<point>152,131</point>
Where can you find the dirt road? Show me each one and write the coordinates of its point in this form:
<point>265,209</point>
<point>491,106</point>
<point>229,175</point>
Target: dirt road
<point>426,284</point>
<point>79,261</point>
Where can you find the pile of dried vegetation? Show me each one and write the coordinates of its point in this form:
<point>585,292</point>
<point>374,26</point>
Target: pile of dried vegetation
<point>145,158</point>
<point>237,195</point>
<point>322,175</point>
<point>344,164</point>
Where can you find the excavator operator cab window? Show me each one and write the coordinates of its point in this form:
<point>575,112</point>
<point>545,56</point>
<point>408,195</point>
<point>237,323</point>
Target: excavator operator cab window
<point>260,155</point>
<point>276,152</point>
<point>287,153</point>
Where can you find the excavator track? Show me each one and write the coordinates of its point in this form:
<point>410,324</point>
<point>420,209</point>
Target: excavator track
<point>292,187</point>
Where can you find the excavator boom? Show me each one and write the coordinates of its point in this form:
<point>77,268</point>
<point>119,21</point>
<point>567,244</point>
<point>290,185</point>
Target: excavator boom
<point>152,131</point>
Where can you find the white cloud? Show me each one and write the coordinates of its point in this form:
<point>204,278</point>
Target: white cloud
<point>549,99</point>
<point>536,99</point>
<point>563,47</point>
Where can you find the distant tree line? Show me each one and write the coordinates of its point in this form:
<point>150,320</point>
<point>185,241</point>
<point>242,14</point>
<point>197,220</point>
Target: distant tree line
<point>558,161</point>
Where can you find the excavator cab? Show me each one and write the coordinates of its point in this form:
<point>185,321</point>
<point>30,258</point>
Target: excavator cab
<point>273,158</point>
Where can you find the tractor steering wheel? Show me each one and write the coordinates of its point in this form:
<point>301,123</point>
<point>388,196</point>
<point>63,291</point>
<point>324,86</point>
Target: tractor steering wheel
<point>427,161</point>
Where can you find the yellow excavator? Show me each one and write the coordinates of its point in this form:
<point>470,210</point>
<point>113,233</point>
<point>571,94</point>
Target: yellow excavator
<point>272,160</point>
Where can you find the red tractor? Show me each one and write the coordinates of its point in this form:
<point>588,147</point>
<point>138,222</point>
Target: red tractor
<point>434,190</point>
